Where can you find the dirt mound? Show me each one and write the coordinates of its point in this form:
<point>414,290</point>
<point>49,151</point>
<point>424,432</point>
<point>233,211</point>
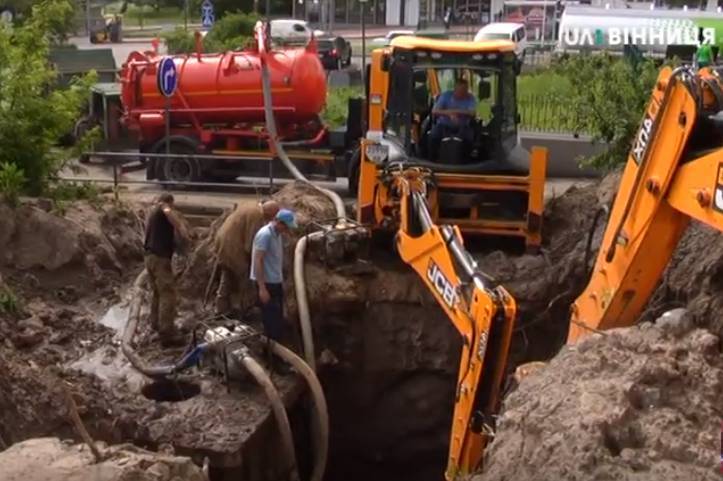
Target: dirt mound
<point>60,271</point>
<point>86,244</point>
<point>49,459</point>
<point>640,403</point>
<point>694,279</point>
<point>310,206</point>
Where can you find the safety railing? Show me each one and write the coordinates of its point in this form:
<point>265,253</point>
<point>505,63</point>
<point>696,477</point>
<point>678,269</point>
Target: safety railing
<point>121,163</point>
<point>547,113</point>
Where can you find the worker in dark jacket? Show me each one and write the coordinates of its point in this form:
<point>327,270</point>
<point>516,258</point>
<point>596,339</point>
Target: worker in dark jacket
<point>164,231</point>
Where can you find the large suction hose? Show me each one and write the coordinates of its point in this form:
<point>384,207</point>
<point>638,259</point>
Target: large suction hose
<point>320,414</point>
<point>271,125</point>
<point>302,299</point>
<point>299,280</point>
<point>282,420</point>
<point>321,427</point>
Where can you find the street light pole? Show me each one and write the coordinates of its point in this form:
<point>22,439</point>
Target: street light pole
<point>362,4</point>
<point>185,15</point>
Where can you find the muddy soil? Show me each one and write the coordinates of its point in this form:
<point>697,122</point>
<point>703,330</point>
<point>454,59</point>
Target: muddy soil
<point>393,354</point>
<point>59,272</point>
<point>47,459</point>
<point>637,404</point>
<point>57,333</point>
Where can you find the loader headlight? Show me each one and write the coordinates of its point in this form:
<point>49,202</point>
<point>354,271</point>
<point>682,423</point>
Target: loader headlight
<point>377,153</point>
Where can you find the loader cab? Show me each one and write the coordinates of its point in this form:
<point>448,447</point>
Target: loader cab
<point>418,77</point>
<point>483,180</point>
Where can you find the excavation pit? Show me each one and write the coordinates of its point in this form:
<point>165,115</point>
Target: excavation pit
<point>167,390</point>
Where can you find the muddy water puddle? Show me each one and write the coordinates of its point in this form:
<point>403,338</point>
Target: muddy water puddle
<point>116,317</point>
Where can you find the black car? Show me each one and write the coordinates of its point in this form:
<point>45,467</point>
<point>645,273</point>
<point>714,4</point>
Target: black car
<point>334,52</point>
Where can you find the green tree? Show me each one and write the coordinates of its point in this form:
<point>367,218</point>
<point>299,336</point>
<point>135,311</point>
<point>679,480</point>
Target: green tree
<point>59,26</point>
<point>608,96</point>
<point>34,115</point>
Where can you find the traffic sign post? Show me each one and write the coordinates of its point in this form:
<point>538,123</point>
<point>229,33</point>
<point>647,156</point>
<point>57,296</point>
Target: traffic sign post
<point>207,16</point>
<point>167,80</point>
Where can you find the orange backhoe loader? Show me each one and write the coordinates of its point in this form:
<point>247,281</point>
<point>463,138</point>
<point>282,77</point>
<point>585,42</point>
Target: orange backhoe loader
<point>674,173</point>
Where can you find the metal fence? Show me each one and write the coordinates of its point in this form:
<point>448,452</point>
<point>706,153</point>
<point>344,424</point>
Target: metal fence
<point>545,113</point>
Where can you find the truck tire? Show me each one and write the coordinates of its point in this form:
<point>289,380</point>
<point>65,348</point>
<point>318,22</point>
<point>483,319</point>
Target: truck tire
<point>182,170</point>
<point>353,173</point>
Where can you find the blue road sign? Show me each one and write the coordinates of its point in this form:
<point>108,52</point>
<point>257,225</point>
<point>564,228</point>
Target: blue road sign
<point>167,78</point>
<point>207,16</point>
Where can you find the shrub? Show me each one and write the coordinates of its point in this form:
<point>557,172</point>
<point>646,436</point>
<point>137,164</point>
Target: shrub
<point>12,180</point>
<point>34,115</point>
<point>232,32</point>
<point>608,96</point>
<point>336,110</point>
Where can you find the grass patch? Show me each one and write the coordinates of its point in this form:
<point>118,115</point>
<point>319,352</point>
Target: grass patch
<point>546,82</point>
<point>9,302</point>
<point>146,16</point>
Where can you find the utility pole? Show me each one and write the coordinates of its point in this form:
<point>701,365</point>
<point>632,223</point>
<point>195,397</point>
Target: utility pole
<point>185,15</point>
<point>362,4</point>
<point>87,16</point>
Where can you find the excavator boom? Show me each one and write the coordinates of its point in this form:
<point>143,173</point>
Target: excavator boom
<point>483,316</point>
<point>674,173</point>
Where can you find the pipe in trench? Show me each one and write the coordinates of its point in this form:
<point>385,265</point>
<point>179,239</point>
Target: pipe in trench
<point>277,405</point>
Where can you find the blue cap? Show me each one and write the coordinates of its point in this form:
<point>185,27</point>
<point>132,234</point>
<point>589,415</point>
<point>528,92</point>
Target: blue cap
<point>287,217</point>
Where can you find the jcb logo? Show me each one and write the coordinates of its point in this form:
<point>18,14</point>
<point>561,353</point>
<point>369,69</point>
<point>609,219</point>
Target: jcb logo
<point>718,201</point>
<point>642,139</point>
<point>443,286</point>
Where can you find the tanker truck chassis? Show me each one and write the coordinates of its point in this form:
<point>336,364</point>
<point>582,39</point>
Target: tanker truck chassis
<point>214,125</point>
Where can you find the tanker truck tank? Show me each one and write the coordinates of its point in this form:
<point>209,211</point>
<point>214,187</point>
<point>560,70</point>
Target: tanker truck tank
<point>652,31</point>
<point>223,91</point>
<point>215,118</point>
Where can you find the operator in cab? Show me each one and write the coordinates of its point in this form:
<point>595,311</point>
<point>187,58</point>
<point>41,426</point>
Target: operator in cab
<point>454,112</point>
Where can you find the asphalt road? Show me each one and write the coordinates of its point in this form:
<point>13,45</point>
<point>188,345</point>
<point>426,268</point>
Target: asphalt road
<point>133,185</point>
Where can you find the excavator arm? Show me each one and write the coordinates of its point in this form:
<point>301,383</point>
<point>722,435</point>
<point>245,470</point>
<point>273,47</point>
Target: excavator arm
<point>674,173</point>
<point>483,315</point>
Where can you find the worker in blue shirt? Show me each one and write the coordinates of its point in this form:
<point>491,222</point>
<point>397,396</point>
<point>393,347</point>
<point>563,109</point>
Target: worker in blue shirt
<point>267,260</point>
<point>454,112</point>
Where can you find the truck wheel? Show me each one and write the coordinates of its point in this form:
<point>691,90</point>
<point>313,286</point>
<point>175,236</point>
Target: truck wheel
<point>353,173</point>
<point>179,169</point>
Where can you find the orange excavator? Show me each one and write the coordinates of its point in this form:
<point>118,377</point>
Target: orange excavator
<point>674,173</point>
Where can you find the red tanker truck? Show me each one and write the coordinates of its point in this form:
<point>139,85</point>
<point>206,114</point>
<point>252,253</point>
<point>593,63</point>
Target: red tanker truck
<point>216,114</point>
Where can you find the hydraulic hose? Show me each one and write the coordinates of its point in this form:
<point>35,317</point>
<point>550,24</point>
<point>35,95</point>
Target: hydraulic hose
<point>282,420</point>
<point>320,415</point>
<point>134,314</point>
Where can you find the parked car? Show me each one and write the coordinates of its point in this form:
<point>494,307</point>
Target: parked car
<point>386,40</point>
<point>514,32</point>
<point>334,52</point>
<point>290,31</point>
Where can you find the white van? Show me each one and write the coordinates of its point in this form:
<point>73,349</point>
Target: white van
<point>514,32</point>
